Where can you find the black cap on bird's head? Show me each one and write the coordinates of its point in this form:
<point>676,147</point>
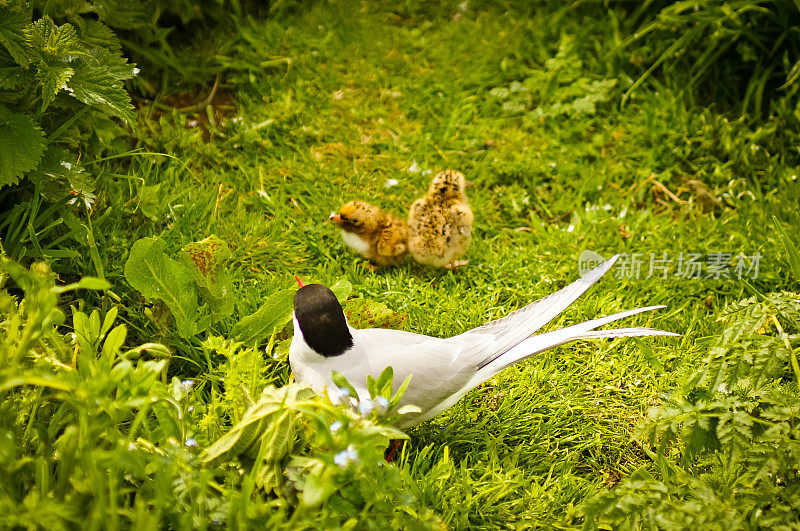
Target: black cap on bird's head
<point>321,320</point>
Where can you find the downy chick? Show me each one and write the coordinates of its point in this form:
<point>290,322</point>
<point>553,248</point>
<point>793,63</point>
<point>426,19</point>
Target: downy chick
<point>376,235</point>
<point>440,222</point>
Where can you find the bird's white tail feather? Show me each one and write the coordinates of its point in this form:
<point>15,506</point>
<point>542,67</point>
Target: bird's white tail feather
<point>542,342</point>
<point>575,329</point>
<point>516,326</point>
<point>510,333</point>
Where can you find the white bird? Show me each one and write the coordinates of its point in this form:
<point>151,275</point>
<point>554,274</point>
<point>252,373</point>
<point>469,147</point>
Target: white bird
<point>443,370</point>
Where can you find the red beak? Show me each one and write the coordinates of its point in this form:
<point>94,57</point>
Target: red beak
<point>299,281</point>
<point>336,218</point>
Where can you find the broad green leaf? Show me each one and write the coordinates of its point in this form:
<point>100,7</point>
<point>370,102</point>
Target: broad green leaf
<point>21,145</point>
<point>55,50</point>
<point>365,313</point>
<point>48,42</point>
<point>273,314</point>
<point>62,9</point>
<point>98,82</point>
<point>36,380</point>
<point>256,422</point>
<point>108,320</point>
<point>237,441</point>
<point>341,382</point>
<point>13,77</point>
<point>154,349</point>
<point>52,77</point>
<point>124,14</point>
<point>114,341</point>
<point>151,203</point>
<point>59,174</point>
<point>385,378</point>
<point>12,34</point>
<point>342,289</point>
<point>156,276</point>
<point>95,34</point>
<point>93,283</point>
<point>205,260</point>
<point>84,283</point>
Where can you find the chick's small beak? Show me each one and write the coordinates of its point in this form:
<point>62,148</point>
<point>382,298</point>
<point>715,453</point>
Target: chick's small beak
<point>335,217</point>
<point>299,281</point>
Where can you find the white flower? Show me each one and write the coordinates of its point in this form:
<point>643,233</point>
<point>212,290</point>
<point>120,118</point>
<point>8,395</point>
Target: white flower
<point>345,457</point>
<point>365,407</point>
<point>381,405</point>
<point>390,182</point>
<point>338,395</point>
<point>336,426</point>
<point>190,442</point>
<point>414,168</point>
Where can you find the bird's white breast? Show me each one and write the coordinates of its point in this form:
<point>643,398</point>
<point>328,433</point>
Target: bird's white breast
<point>355,242</point>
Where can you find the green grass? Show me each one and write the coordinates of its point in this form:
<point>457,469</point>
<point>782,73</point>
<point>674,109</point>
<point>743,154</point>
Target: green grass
<point>332,100</point>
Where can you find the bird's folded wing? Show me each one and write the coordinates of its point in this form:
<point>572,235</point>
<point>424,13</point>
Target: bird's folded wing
<point>435,364</point>
<point>495,337</point>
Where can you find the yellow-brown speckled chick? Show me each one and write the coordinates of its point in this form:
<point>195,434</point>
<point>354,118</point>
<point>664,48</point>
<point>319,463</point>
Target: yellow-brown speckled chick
<point>376,235</point>
<point>440,222</point>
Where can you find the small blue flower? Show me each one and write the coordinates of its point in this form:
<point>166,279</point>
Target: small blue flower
<point>335,426</point>
<point>381,405</point>
<point>365,407</point>
<point>338,395</point>
<point>345,457</point>
<point>190,442</point>
<point>187,384</point>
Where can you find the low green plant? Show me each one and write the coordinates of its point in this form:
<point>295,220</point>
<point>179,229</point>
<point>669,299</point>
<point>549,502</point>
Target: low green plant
<point>198,274</point>
<point>53,75</point>
<point>562,88</point>
<point>93,433</point>
<point>726,445</point>
<point>753,44</point>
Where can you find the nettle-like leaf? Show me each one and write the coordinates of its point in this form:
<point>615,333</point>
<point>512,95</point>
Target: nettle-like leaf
<point>13,77</point>
<point>98,82</point>
<point>51,78</point>
<point>47,41</point>
<point>12,34</point>
<point>59,174</point>
<point>124,14</point>
<point>156,276</point>
<point>205,260</point>
<point>53,50</point>
<point>21,145</point>
<point>95,34</point>
<point>365,313</point>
